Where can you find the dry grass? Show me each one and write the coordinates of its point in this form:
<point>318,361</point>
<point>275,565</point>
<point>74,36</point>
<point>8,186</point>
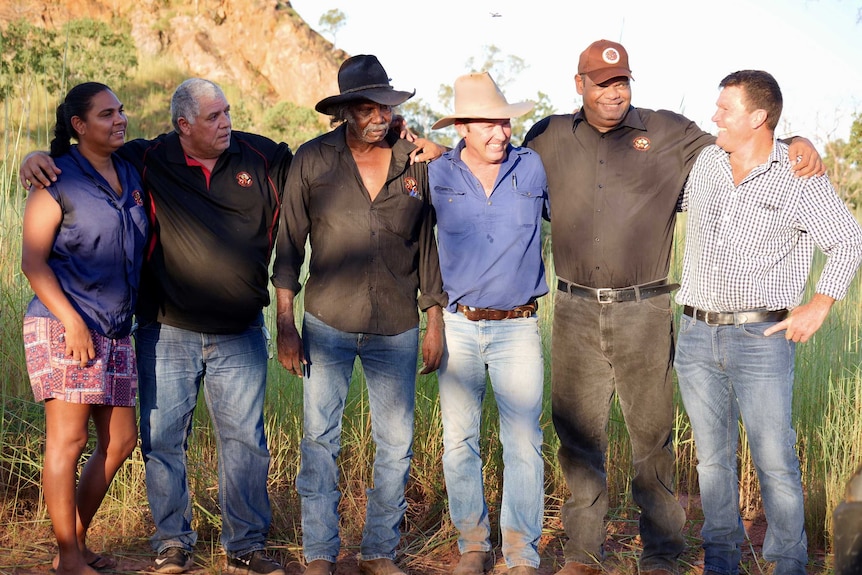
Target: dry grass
<point>828,413</point>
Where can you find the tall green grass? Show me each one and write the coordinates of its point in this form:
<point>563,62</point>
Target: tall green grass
<point>827,413</point>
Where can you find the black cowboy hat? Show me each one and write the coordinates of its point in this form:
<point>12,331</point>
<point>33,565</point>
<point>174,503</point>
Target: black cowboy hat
<point>363,78</point>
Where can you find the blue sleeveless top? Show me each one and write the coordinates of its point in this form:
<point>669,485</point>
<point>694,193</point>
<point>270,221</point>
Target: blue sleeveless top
<point>99,247</point>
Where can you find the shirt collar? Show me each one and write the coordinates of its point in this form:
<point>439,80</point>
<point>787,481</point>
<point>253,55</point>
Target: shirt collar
<point>513,155</point>
<point>401,148</point>
<point>631,120</point>
<point>176,154</point>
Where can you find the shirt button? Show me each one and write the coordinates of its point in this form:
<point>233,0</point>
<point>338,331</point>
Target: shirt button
<point>597,239</point>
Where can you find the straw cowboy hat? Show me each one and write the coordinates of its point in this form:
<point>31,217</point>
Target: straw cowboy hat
<point>363,78</point>
<point>477,97</point>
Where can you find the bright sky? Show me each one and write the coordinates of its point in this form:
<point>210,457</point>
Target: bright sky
<point>679,50</point>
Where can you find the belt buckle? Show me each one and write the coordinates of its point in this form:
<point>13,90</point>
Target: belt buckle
<point>605,295</point>
<point>707,315</point>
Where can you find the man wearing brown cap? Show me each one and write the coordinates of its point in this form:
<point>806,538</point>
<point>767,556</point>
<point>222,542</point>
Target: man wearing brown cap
<point>365,209</point>
<point>490,198</point>
<point>615,173</point>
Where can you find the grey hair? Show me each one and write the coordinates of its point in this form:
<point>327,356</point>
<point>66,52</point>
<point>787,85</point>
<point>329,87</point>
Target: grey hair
<point>340,113</point>
<point>185,103</point>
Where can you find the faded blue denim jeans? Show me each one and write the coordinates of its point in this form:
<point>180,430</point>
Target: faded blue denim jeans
<point>512,351</point>
<point>389,364</point>
<point>173,363</point>
<point>726,372</point>
<point>626,349</point>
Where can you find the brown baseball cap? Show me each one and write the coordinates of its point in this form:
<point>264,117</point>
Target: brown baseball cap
<point>603,60</point>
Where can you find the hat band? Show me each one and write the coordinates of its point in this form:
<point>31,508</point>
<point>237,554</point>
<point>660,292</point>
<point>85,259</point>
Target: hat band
<point>369,87</point>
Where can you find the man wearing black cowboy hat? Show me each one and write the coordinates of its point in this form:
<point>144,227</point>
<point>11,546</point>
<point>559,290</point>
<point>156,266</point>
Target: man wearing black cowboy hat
<point>366,211</point>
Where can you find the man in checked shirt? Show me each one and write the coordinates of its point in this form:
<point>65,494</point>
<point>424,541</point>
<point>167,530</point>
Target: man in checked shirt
<point>752,229</point>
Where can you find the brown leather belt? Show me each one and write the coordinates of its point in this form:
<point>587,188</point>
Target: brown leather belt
<point>614,295</point>
<point>734,317</point>
<point>479,313</point>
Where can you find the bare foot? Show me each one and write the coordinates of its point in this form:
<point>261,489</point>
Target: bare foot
<point>93,560</point>
<point>74,568</point>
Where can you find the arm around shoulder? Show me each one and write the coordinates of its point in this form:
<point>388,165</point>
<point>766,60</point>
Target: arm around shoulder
<point>38,169</point>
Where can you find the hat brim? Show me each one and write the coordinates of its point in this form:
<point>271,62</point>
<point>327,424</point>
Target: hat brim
<point>501,113</point>
<point>605,74</point>
<point>385,96</point>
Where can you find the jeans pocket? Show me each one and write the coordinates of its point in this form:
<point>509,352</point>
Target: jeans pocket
<point>268,337</point>
<point>686,323</point>
<point>659,304</point>
<point>755,330</point>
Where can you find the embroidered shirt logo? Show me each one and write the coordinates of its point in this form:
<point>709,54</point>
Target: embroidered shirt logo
<point>641,144</point>
<point>412,187</point>
<point>136,195</point>
<point>611,56</point>
<point>244,179</point>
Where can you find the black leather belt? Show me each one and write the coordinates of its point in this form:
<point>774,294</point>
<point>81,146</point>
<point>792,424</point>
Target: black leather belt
<point>613,295</point>
<point>734,317</point>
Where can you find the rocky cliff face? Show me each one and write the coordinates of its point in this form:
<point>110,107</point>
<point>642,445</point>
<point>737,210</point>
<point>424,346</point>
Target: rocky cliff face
<point>258,45</point>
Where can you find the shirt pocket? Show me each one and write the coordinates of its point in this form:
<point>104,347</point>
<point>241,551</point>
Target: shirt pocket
<point>402,215</point>
<point>773,222</point>
<point>453,215</point>
<point>528,207</point>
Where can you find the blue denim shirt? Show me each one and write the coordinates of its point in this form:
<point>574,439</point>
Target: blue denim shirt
<point>99,247</point>
<point>490,247</point>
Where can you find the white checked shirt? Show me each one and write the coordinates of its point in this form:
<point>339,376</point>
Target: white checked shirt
<point>750,246</point>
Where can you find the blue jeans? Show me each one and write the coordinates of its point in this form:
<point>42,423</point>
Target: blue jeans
<point>599,350</point>
<point>172,364</point>
<point>726,372</point>
<point>512,351</point>
<point>389,363</point>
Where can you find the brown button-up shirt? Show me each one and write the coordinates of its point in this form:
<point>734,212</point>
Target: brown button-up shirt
<point>369,259</point>
<point>614,195</point>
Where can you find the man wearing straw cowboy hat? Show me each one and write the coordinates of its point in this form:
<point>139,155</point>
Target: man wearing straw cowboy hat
<point>489,199</point>
<point>365,209</point>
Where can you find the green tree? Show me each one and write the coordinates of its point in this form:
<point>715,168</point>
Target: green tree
<point>332,21</point>
<point>28,55</point>
<point>94,51</point>
<point>83,50</point>
<point>292,124</point>
<point>503,68</point>
<point>522,125</point>
<point>844,164</point>
<point>420,116</point>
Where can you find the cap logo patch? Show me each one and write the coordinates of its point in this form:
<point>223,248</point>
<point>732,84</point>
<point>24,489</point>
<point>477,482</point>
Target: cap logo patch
<point>611,56</point>
<point>641,143</point>
<point>244,179</point>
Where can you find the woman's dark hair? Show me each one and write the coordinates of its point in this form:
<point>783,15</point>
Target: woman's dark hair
<point>78,102</point>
